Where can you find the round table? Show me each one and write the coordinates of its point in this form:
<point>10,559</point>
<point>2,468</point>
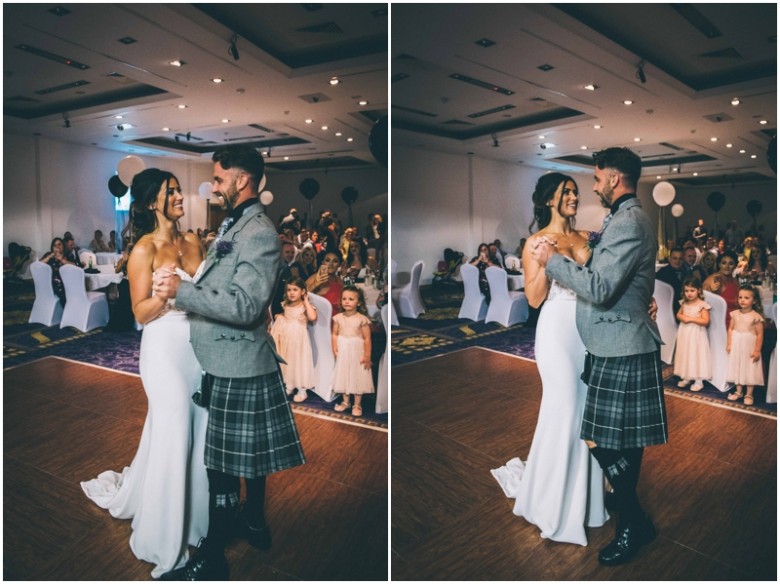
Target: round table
<point>105,277</point>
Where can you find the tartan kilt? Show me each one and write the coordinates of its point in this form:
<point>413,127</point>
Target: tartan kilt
<point>251,431</point>
<point>625,405</point>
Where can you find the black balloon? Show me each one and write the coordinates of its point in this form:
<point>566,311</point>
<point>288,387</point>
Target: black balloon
<point>753,208</point>
<point>309,188</point>
<point>116,187</point>
<point>349,195</point>
<point>716,200</point>
<point>771,153</point>
<point>377,141</point>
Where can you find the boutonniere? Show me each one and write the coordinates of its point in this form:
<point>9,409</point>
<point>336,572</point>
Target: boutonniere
<point>594,237</point>
<point>224,247</point>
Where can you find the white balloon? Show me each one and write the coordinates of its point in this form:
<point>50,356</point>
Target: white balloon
<point>204,190</point>
<point>663,193</point>
<point>266,198</point>
<point>261,186</point>
<point>678,210</point>
<point>128,167</point>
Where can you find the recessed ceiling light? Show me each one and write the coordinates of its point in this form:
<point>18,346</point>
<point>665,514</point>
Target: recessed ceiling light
<point>627,102</point>
<point>165,129</point>
<point>217,80</point>
<point>583,147</point>
<point>182,106</point>
<point>714,139</point>
<point>597,127</point>
<point>119,117</point>
<point>591,87</point>
<point>309,121</point>
<point>338,134</point>
<point>226,121</point>
<point>637,139</point>
<point>763,122</point>
<point>350,139</point>
<point>735,101</point>
<point>177,63</point>
<point>362,102</point>
<point>742,151</point>
<point>541,136</point>
<point>729,145</point>
<point>753,156</point>
<point>334,81</point>
<point>287,158</point>
<point>695,174</point>
<point>658,177</point>
<point>324,127</point>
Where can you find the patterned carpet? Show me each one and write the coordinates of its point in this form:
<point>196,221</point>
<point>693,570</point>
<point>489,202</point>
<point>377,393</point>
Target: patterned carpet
<point>439,331</point>
<point>24,342</point>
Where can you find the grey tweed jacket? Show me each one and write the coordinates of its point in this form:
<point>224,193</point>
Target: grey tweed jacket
<point>615,288</point>
<point>229,303</point>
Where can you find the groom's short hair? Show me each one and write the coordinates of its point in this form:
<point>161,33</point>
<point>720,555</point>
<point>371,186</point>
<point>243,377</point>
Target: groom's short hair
<point>621,159</point>
<point>241,156</point>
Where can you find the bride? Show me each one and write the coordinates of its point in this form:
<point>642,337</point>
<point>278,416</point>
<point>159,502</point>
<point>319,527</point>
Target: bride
<point>165,489</point>
<point>560,488</point>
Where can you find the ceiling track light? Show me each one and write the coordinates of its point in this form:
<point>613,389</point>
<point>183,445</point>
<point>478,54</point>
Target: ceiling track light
<point>66,120</point>
<point>640,71</point>
<point>495,141</point>
<point>233,49</point>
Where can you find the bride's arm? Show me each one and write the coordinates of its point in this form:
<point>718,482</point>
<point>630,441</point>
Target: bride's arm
<point>536,283</point>
<point>139,272</point>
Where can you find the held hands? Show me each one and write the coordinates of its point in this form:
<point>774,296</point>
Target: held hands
<point>165,282</point>
<point>652,310</point>
<point>365,361</point>
<point>755,356</point>
<point>542,250</point>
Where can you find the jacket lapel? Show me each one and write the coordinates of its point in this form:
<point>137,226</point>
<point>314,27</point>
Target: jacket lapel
<point>211,256</point>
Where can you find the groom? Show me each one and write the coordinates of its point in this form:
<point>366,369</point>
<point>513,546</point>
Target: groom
<point>625,409</point>
<point>251,432</point>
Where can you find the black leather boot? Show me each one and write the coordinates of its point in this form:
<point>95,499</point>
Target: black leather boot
<point>204,564</point>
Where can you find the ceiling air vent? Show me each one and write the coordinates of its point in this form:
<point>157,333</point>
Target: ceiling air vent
<point>261,128</point>
<point>718,118</point>
<point>671,146</point>
<point>414,111</point>
<point>729,53</point>
<point>314,98</point>
<point>457,123</point>
<point>328,27</point>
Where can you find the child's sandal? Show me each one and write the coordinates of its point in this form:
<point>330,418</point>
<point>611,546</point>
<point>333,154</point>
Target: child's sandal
<point>748,403</point>
<point>357,411</point>
<point>340,407</point>
<point>735,396</point>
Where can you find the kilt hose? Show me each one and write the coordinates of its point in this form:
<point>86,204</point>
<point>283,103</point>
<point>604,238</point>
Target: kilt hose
<point>251,431</point>
<point>625,405</point>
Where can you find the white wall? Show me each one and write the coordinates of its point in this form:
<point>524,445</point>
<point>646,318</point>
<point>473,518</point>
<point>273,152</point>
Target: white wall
<point>444,200</point>
<point>51,187</point>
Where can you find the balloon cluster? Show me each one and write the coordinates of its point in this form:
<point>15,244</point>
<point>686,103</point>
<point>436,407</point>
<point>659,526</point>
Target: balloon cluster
<point>127,168</point>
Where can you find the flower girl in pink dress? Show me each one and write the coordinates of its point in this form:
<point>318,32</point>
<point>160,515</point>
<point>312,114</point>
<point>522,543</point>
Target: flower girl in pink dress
<point>692,358</point>
<point>745,337</point>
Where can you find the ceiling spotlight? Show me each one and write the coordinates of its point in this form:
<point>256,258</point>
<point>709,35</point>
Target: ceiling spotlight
<point>637,139</point>
<point>742,151</point>
<point>714,139</point>
<point>729,145</point>
<point>591,87</point>
<point>334,81</point>
<point>627,102</point>
<point>495,141</point>
<point>640,72</point>
<point>217,80</point>
<point>182,106</point>
<point>324,127</point>
<point>226,121</point>
<point>165,129</point>
<point>735,101</point>
<point>362,102</point>
<point>118,117</point>
<point>541,136</point>
<point>695,174</point>
<point>597,127</point>
<point>350,139</point>
<point>177,63</point>
<point>309,121</point>
<point>753,156</point>
<point>66,120</point>
<point>583,147</point>
<point>233,49</point>
<point>763,122</point>
<point>287,158</point>
<point>120,127</point>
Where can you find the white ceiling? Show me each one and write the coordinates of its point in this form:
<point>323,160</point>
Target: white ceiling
<point>288,54</point>
<point>691,79</point>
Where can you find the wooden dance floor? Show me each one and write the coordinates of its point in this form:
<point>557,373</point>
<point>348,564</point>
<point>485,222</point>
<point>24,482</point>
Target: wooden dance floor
<point>712,491</point>
<point>64,422</point>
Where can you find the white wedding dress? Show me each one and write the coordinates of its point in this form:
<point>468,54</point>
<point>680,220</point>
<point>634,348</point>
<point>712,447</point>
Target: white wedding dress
<point>165,489</point>
<point>560,489</point>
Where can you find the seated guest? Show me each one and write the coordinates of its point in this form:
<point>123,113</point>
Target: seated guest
<point>112,241</point>
<point>724,284</point>
<point>483,261</point>
<point>97,244</point>
<point>357,257</point>
<point>689,260</point>
<point>302,238</point>
<point>307,259</point>
<point>316,241</point>
<point>326,282</point>
<point>19,256</point>
<point>288,269</point>
<point>56,258</point>
<point>71,251</point>
<point>706,266</point>
<point>673,274</point>
<point>496,255</point>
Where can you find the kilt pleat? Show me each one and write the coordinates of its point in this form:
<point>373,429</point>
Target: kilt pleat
<point>625,406</point>
<point>251,431</point>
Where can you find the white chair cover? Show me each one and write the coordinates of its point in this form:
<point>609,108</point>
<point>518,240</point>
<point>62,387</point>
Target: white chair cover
<point>47,308</point>
<point>666,319</point>
<point>394,308</point>
<point>85,256</point>
<point>322,348</point>
<point>474,305</point>
<point>717,335</point>
<point>506,308</point>
<point>393,316</point>
<point>83,310</point>
<point>771,381</point>
<point>382,381</point>
<point>408,299</point>
<point>512,262</point>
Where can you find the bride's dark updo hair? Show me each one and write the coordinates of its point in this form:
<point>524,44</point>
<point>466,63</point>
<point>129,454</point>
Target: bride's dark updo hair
<point>543,194</point>
<point>145,188</point>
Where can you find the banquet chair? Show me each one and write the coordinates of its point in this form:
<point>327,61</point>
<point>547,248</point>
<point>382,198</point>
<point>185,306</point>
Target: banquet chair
<point>408,299</point>
<point>667,323</point>
<point>83,310</point>
<point>47,308</point>
<point>506,308</point>
<point>474,305</point>
<point>322,348</point>
<point>717,336</point>
<point>771,377</point>
<point>393,315</point>
<point>512,262</point>
<point>382,381</point>
<point>394,309</point>
<point>85,256</point>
